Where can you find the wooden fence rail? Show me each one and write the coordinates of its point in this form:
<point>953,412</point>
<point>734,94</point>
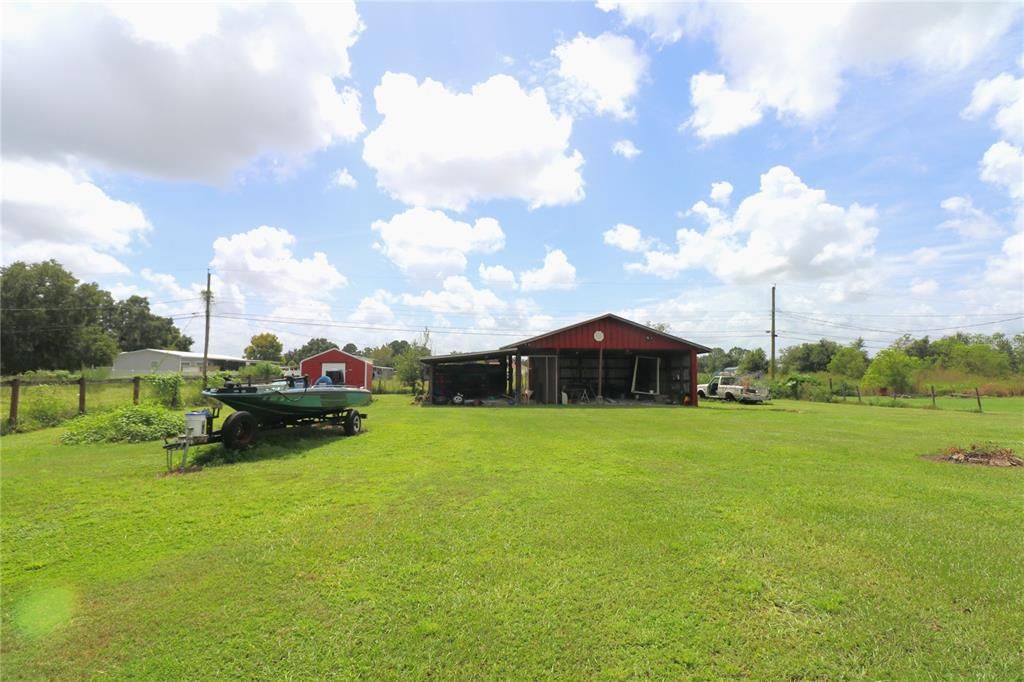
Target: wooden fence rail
<point>17,384</point>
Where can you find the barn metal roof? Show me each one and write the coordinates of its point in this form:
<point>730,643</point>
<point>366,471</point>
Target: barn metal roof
<point>468,357</point>
<point>607,316</point>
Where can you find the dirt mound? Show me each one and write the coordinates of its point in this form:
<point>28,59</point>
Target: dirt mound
<point>985,455</point>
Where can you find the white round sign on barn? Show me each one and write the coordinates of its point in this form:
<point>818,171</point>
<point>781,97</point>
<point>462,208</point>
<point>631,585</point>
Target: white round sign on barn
<point>599,336</point>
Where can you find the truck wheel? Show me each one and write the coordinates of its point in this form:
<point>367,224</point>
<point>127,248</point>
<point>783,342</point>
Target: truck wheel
<point>730,398</point>
<point>700,394</point>
<point>353,423</point>
<point>239,431</point>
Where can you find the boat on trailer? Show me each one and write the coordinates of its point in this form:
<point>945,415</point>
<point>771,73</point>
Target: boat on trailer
<point>291,402</point>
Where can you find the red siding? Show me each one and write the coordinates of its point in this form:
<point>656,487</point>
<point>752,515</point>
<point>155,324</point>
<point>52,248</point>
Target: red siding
<point>617,336</point>
<point>358,372</point>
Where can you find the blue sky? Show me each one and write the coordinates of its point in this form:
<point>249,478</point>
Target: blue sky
<point>867,159</point>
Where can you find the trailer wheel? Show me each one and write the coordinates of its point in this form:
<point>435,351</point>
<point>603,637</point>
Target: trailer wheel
<point>353,423</point>
<point>239,431</point>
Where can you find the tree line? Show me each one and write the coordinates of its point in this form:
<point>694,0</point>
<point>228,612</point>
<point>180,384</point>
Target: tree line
<point>404,356</point>
<point>49,320</point>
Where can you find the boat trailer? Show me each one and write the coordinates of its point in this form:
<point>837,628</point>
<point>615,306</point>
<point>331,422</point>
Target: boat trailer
<point>239,429</point>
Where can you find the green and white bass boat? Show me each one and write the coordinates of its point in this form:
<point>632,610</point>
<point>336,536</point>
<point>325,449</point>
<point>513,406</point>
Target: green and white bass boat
<point>283,401</point>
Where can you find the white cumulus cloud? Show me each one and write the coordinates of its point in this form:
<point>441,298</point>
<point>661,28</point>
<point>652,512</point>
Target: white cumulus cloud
<point>1003,165</point>
<point>498,276</point>
<point>342,178</point>
<point>625,149</point>
<point>261,261</point>
<point>719,110</point>
<point>968,220</point>
<point>627,238</point>
<point>786,230</point>
<point>794,58</point>
<point>177,90</point>
<point>556,273</point>
<point>1005,94</point>
<point>429,244</point>
<point>721,191</point>
<point>442,149</point>
<point>601,74</point>
<point>52,212</point>
<point>924,287</point>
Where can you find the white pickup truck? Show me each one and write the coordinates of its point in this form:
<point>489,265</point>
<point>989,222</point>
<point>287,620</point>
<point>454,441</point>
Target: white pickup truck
<point>727,387</point>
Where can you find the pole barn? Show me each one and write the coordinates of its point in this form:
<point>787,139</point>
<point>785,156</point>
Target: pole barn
<point>604,359</point>
<point>344,369</point>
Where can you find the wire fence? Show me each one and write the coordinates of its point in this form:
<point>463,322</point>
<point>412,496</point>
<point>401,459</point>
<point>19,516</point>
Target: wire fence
<point>29,405</point>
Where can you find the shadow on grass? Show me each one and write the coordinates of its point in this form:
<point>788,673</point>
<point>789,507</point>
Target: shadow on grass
<point>280,444</point>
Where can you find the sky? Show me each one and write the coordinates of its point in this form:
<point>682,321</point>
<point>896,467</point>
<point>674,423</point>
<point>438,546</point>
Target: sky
<point>366,171</point>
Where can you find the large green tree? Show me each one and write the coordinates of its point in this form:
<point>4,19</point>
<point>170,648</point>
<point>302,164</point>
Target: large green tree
<point>49,320</point>
<point>136,327</point>
<point>308,349</point>
<point>265,346</point>
<point>754,361</point>
<point>809,357</point>
<point>849,362</point>
<point>892,369</point>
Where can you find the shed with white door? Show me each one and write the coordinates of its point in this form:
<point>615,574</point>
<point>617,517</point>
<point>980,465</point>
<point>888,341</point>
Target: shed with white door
<point>344,369</point>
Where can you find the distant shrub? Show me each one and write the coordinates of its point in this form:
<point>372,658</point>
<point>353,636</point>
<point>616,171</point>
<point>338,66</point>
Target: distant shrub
<point>130,424</point>
<point>167,388</point>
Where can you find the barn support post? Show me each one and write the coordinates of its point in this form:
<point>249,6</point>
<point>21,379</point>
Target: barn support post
<point>15,395</point>
<point>558,381</point>
<point>519,377</point>
<point>509,388</point>
<point>693,378</point>
<point>81,395</point>
<point>430,393</point>
<point>600,372</point>
<point>136,385</point>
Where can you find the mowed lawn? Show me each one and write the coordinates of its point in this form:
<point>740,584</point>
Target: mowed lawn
<point>790,541</point>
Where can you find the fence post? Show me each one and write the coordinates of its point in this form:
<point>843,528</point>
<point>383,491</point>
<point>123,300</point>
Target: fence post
<point>15,392</point>
<point>933,396</point>
<point>81,395</point>
<point>135,389</point>
<point>978,396</point>
<point>858,394</point>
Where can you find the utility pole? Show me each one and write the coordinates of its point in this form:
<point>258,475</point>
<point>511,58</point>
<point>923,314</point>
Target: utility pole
<point>206,338</point>
<point>772,365</point>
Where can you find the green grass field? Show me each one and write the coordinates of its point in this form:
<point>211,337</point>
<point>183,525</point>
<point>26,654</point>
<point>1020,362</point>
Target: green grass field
<point>788,541</point>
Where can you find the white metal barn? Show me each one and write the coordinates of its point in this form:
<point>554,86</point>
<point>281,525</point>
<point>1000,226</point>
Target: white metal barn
<point>156,361</point>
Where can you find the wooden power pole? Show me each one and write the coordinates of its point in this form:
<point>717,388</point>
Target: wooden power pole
<point>206,337</point>
<point>772,365</point>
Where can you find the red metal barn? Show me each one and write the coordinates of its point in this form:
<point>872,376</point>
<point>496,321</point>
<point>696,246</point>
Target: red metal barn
<point>604,359</point>
<point>344,369</point>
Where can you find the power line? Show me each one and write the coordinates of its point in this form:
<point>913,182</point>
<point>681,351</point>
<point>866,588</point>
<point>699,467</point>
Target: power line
<point>97,307</point>
<point>902,331</point>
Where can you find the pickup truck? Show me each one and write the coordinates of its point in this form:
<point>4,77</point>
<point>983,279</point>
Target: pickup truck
<point>726,387</point>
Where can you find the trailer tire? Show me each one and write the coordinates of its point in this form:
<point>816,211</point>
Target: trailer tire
<point>353,423</point>
<point>239,431</point>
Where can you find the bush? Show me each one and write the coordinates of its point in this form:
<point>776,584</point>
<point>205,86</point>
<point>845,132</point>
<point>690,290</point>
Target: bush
<point>132,424</point>
<point>168,388</point>
<point>47,405</point>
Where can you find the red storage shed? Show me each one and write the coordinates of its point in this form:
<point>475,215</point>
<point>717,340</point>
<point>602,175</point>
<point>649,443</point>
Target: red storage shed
<point>344,369</point>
